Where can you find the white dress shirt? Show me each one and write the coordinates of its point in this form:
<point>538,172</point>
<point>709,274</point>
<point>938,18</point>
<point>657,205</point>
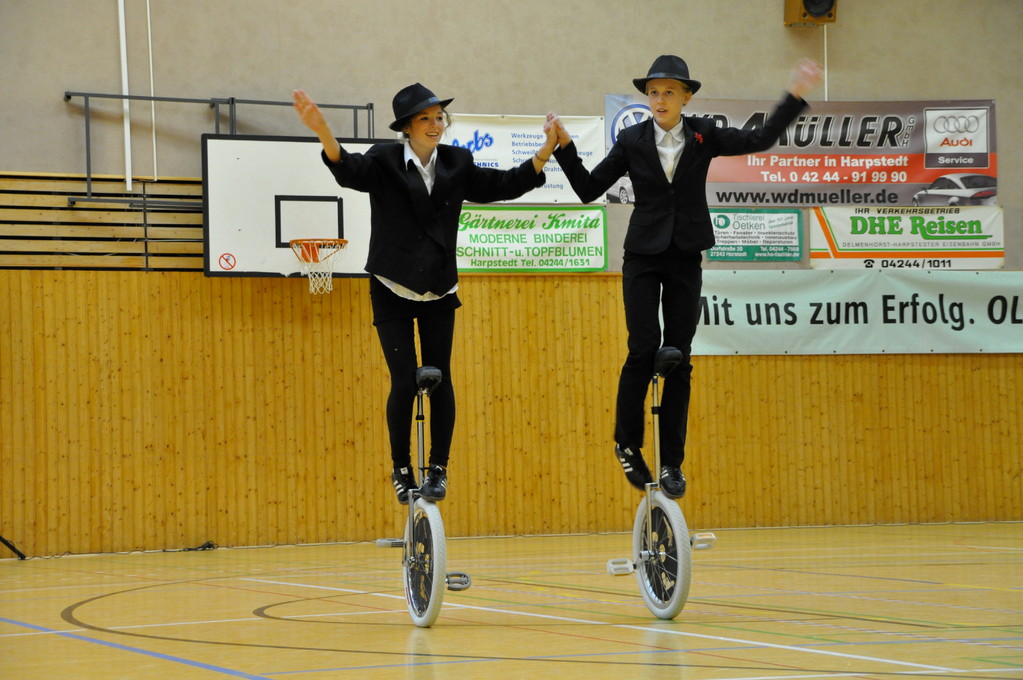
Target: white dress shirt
<point>669,147</point>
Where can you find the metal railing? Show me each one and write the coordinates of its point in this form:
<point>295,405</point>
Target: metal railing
<point>215,103</point>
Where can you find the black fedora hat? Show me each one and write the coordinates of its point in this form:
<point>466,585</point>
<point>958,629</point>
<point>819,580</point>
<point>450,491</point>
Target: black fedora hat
<point>668,66</point>
<point>411,100</point>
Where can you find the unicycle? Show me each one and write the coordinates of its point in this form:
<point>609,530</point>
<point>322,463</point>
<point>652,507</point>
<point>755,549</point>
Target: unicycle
<point>424,548</point>
<point>661,544</point>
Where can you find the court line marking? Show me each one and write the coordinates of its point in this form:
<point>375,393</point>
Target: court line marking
<point>252,619</point>
<point>645,629</point>
<point>138,650</point>
<point>804,676</point>
<point>241,674</point>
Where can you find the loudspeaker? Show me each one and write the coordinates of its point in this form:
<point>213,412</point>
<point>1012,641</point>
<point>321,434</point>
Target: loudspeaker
<point>810,12</point>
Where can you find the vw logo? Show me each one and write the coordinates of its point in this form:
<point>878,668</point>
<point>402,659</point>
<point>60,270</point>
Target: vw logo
<point>956,124</point>
<point>628,115</point>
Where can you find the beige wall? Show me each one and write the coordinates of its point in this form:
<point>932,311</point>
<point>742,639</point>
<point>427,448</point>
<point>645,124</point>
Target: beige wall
<point>526,56</point>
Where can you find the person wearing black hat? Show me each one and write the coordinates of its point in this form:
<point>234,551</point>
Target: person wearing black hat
<point>416,189</point>
<point>667,157</point>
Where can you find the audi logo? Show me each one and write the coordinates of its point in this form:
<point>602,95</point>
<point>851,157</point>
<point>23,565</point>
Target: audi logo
<point>956,124</point>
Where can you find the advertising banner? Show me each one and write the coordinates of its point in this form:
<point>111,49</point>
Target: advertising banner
<point>532,239</point>
<point>500,141</point>
<point>905,153</point>
<point>914,238</point>
<point>748,235</point>
<point>859,312</point>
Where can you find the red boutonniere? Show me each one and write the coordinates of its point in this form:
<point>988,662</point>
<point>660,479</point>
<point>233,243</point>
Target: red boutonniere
<point>699,138</point>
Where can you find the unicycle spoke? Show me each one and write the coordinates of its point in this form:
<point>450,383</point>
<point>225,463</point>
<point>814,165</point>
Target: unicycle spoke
<point>662,563</point>
<point>420,568</point>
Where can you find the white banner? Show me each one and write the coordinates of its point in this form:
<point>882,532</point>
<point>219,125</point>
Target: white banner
<point>499,141</point>
<point>860,312</point>
<point>756,235</point>
<point>950,237</point>
<point>533,239</point>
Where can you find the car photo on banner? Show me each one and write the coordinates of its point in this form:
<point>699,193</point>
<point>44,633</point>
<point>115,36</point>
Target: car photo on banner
<point>621,191</point>
<point>959,188</point>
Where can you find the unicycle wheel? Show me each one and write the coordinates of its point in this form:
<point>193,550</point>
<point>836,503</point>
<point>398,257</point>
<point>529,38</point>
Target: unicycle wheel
<point>663,562</point>
<point>425,563</point>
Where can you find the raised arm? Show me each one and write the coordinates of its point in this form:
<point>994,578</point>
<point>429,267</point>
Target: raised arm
<point>313,119</point>
<point>587,185</point>
<point>560,133</point>
<point>543,154</point>
<point>806,76</point>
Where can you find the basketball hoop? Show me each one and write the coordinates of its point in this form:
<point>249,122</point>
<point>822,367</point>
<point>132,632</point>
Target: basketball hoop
<point>317,257</point>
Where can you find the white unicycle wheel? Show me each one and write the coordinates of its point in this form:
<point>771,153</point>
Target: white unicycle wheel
<point>425,563</point>
<point>663,556</point>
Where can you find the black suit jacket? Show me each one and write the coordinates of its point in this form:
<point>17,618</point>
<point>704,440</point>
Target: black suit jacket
<point>675,211</point>
<point>414,233</point>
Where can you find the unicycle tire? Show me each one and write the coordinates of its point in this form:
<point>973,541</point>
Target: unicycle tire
<point>425,564</point>
<point>664,576</point>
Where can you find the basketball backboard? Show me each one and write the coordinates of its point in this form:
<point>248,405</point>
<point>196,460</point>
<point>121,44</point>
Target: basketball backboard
<point>262,192</point>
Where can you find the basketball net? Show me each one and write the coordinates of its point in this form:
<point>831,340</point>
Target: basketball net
<point>317,258</point>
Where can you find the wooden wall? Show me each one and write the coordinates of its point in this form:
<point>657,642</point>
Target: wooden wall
<point>162,409</point>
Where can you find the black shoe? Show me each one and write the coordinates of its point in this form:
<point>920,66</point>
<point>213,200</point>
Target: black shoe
<point>635,467</point>
<point>403,481</point>
<point>435,486</point>
<point>673,482</point>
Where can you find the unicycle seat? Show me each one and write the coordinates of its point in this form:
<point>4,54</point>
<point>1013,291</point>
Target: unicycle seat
<point>427,379</point>
<point>666,359</point>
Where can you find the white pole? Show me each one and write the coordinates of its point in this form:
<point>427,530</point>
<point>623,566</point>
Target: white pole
<point>124,91</point>
<point>825,62</point>
<point>152,87</point>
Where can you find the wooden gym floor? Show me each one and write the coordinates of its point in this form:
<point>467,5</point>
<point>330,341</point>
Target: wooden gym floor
<point>921,601</point>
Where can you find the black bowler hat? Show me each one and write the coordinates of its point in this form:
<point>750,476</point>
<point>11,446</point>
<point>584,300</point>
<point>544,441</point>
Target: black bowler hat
<point>410,101</point>
<point>668,66</point>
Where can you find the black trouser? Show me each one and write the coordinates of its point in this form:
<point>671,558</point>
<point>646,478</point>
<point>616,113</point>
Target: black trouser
<point>668,283</point>
<point>395,319</point>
